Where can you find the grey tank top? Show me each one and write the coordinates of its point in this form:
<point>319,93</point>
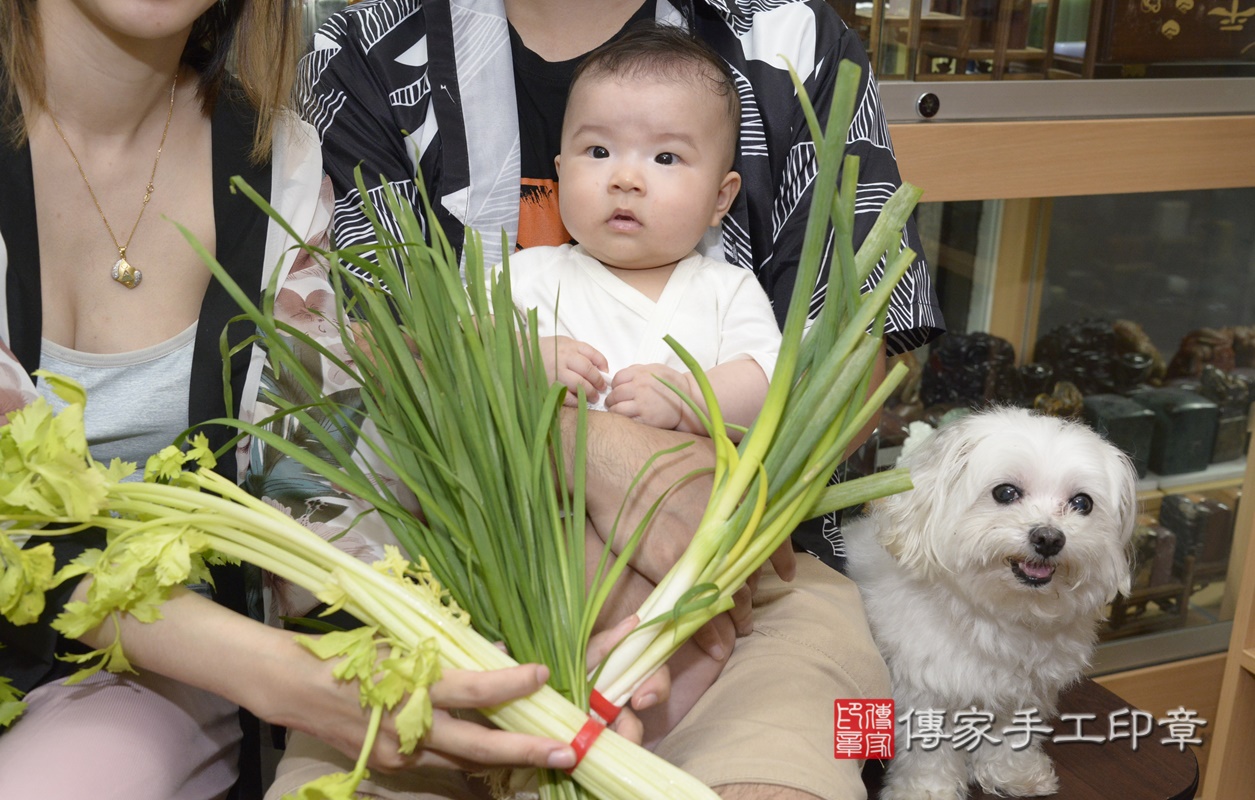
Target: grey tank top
<point>136,401</point>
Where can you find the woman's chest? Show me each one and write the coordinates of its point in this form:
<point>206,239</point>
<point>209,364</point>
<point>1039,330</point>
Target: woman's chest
<point>116,271</point>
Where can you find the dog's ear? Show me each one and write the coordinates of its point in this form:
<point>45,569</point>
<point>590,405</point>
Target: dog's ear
<point>1123,483</point>
<point>915,522</point>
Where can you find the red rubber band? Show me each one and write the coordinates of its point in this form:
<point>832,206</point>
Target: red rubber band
<point>584,740</point>
<point>603,708</point>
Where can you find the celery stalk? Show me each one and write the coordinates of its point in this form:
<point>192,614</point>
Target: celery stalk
<point>212,516</point>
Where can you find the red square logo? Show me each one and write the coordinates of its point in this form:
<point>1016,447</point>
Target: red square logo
<point>862,729</point>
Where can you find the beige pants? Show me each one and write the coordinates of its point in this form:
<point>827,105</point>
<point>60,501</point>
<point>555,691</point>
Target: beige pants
<point>767,720</point>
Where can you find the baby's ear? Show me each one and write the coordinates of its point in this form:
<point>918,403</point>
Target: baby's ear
<point>728,189</point>
<point>557,164</point>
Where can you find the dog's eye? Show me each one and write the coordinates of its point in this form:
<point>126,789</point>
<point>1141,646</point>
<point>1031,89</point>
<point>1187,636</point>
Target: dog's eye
<point>1005,493</point>
<point>1081,503</point>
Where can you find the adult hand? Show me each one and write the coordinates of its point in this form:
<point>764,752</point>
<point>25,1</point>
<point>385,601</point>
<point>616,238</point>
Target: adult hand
<point>288,685</point>
<point>616,450</point>
<point>690,672</point>
<point>653,692</point>
<point>459,738</point>
<point>330,710</point>
<point>266,671</point>
<point>574,364</point>
<point>784,562</point>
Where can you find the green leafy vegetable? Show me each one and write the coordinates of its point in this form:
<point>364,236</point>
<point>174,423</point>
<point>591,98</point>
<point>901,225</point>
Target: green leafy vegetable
<point>165,530</point>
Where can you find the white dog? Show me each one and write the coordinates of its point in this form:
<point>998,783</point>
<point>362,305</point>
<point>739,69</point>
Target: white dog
<point>984,586</point>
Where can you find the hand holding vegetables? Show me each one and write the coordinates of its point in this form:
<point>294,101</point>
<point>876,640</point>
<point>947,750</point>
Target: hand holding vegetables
<point>165,529</point>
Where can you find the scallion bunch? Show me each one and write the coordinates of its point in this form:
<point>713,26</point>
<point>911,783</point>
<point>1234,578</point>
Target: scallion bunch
<point>818,401</point>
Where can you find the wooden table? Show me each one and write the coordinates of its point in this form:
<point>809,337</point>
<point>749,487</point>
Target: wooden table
<point>1091,771</point>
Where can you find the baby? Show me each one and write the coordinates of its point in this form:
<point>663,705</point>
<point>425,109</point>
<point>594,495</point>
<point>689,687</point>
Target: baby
<point>649,136</point>
<point>648,141</point>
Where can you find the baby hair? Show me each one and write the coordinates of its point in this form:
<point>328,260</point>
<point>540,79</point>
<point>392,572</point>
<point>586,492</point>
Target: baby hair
<point>664,52</point>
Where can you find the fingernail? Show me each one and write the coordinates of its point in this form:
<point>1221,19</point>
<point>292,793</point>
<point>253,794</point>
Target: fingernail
<point>645,702</point>
<point>561,759</point>
<point>542,673</point>
<point>716,652</point>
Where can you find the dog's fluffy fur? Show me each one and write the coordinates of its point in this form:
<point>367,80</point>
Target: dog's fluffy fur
<point>985,583</point>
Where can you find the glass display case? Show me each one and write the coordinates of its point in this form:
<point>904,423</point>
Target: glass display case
<point>1127,243</point>
<point>1142,324</point>
<point>948,40</point>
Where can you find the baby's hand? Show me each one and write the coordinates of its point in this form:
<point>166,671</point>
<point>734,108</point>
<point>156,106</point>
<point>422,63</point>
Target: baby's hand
<point>637,393</point>
<point>574,364</point>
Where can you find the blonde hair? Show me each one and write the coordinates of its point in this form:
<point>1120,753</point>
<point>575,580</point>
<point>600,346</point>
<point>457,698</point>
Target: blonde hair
<point>256,41</point>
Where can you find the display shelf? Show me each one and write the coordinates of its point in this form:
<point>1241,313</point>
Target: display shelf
<point>1230,770</point>
<point>1247,660</point>
<point>1131,615</point>
<point>1216,476</point>
<point>1010,174</point>
<point>1058,40</point>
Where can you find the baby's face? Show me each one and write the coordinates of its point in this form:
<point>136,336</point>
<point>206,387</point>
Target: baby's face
<point>643,171</point>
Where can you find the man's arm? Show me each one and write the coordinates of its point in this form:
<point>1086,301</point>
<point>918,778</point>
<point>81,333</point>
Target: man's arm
<point>617,448</point>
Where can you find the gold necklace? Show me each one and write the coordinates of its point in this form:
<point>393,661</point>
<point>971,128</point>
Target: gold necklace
<point>123,272</point>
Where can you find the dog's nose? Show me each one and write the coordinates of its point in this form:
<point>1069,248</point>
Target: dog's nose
<point>1047,541</point>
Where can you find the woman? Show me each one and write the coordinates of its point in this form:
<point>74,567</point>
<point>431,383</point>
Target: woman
<point>119,116</point>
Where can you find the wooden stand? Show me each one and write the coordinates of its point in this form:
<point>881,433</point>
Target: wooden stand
<point>1129,614</point>
<point>1230,768</point>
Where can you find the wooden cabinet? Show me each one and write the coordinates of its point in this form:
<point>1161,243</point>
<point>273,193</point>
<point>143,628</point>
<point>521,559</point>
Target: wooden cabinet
<point>1230,771</point>
<point>1027,166</point>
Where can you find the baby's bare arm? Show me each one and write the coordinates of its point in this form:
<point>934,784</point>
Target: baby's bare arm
<point>740,387</point>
